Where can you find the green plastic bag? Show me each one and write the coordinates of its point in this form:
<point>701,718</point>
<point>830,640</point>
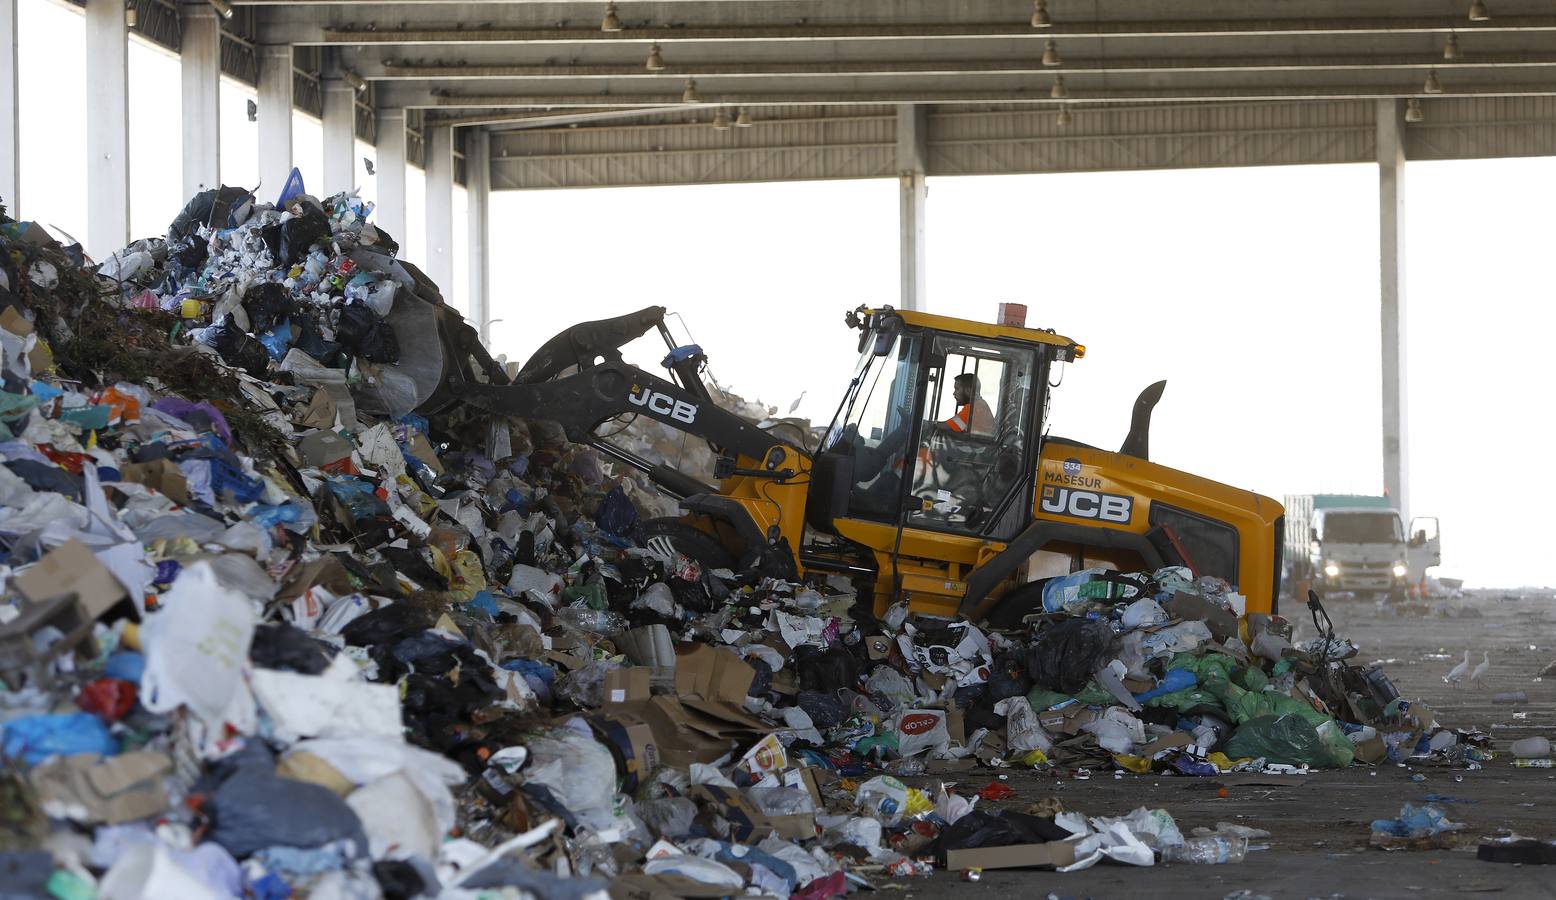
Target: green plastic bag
<point>1288,740</point>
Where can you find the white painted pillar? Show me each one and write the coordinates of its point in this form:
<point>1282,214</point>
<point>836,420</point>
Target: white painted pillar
<point>107,114</point>
<point>478,193</point>
<point>440,208</point>
<point>912,192</point>
<point>10,110</point>
<point>1391,249</point>
<point>389,211</point>
<point>340,137</point>
<point>200,58</point>
<point>275,120</point>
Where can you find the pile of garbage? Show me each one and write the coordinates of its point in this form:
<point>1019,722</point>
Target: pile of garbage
<point>268,630</point>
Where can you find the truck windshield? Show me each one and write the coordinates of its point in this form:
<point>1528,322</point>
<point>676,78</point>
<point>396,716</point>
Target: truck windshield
<point>1363,528</point>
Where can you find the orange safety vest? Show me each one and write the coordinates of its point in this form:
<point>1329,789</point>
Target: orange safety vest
<point>974,417</point>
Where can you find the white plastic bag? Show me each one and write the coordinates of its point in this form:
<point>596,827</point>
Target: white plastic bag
<point>1023,734</point>
<point>196,647</point>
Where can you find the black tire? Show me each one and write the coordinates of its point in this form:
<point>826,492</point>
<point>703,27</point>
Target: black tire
<point>690,541</point>
<point>1019,602</point>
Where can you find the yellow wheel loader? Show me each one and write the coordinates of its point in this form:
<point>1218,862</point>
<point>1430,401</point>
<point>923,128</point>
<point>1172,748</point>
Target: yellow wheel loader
<point>936,481</point>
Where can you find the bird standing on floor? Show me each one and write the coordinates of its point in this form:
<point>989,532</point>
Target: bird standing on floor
<point>1456,675</point>
<point>1478,676</point>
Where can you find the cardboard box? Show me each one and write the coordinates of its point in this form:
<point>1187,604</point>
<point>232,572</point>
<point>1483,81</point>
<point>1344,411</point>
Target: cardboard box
<point>323,448</point>
<point>71,568</point>
<point>704,717</point>
<point>1067,720</point>
<point>1051,855</point>
<point>632,745</point>
<point>161,475</point>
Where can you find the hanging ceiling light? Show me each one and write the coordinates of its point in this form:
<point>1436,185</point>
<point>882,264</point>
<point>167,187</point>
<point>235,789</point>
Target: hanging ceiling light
<point>1059,91</point>
<point>1451,49</point>
<point>1040,15</point>
<point>743,119</point>
<point>611,22</point>
<point>222,7</point>
<point>1413,112</point>
<point>1065,117</point>
<point>357,82</point>
<point>1432,86</point>
<point>1479,12</point>
<point>656,62</point>
<point>131,15</point>
<point>690,95</point>
<point>1051,54</point>
<point>721,120</point>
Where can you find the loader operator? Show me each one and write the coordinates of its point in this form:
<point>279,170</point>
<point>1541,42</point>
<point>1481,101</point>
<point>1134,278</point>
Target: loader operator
<point>972,417</point>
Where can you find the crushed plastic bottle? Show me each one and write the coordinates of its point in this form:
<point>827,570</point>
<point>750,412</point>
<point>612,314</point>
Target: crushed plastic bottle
<point>906,768</point>
<point>1208,851</point>
<point>596,620</point>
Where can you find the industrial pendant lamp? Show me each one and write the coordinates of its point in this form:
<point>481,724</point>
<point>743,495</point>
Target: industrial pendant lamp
<point>611,22</point>
<point>743,118</point>
<point>690,95</point>
<point>1479,12</point>
<point>131,15</point>
<point>721,120</point>
<point>1059,91</point>
<point>656,63</point>
<point>1432,86</point>
<point>1051,54</point>
<point>1451,50</point>
<point>1065,117</point>
<point>222,7</point>
<point>1040,15</point>
<point>1413,112</point>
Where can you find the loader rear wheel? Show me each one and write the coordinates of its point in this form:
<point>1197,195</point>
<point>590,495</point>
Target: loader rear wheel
<point>1016,604</point>
<point>688,541</point>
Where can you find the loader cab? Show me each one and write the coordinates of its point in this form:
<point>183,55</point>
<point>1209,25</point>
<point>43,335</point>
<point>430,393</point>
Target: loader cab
<point>908,449</point>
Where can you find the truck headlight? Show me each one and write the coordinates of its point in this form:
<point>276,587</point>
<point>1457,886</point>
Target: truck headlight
<point>1332,570</point>
<point>1400,570</point>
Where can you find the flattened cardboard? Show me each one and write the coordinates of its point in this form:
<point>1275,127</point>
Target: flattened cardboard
<point>1191,607</point>
<point>1168,742</point>
<point>1051,855</point>
<point>632,745</point>
<point>72,568</point>
<point>627,685</point>
<point>747,823</point>
<point>323,448</point>
<point>161,475</point>
<point>1068,720</point>
<point>113,790</point>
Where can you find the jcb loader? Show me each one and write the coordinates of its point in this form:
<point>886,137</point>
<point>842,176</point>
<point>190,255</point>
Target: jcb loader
<point>928,485</point>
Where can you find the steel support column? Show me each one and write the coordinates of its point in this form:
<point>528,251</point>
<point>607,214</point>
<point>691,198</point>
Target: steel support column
<point>912,193</point>
<point>340,136</point>
<point>1391,250</point>
<point>107,128</point>
<point>389,209</point>
<point>275,119</point>
<point>10,109</point>
<point>440,208</point>
<point>478,194</point>
<point>199,63</point>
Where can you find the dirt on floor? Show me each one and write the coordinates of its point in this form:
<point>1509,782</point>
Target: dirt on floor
<point>1319,829</point>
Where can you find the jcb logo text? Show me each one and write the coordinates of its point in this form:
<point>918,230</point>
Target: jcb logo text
<point>665,405</point>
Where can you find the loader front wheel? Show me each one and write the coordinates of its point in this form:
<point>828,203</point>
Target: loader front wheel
<point>692,542</point>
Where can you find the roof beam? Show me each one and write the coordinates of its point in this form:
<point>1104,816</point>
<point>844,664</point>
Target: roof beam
<point>427,23</point>
<point>391,69</point>
<point>418,98</point>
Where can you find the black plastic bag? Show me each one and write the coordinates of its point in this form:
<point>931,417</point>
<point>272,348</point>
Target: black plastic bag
<point>267,304</point>
<point>994,829</point>
<point>1065,655</point>
<point>361,332</point>
<point>310,340</point>
<point>398,879</point>
<point>616,514</point>
<point>826,670</point>
<point>300,233</point>
<point>288,648</point>
<point>1008,677</point>
<point>823,707</point>
<point>211,207</point>
<point>254,810</point>
<point>237,348</point>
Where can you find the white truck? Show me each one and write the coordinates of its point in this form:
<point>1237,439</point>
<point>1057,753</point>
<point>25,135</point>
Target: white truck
<point>1355,543</point>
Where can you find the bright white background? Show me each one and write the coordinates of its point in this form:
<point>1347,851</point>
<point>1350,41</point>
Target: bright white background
<point>1253,292</point>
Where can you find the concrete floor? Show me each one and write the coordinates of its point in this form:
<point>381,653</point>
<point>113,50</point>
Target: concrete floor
<point>1320,829</point>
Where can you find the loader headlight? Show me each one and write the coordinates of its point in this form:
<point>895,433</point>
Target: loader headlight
<point>1399,570</point>
<point>1332,570</point>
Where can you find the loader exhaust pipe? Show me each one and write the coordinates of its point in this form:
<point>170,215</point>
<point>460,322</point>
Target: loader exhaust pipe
<point>1138,442</point>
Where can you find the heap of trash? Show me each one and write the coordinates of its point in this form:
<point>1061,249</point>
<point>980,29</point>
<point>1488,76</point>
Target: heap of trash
<point>267,630</point>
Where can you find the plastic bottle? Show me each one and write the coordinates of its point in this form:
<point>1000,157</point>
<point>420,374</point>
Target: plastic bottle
<point>1532,748</point>
<point>599,621</point>
<point>1211,850</point>
<point>906,768</point>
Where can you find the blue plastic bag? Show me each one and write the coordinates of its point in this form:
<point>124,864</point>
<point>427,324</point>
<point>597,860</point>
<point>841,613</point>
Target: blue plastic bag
<point>36,738</point>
